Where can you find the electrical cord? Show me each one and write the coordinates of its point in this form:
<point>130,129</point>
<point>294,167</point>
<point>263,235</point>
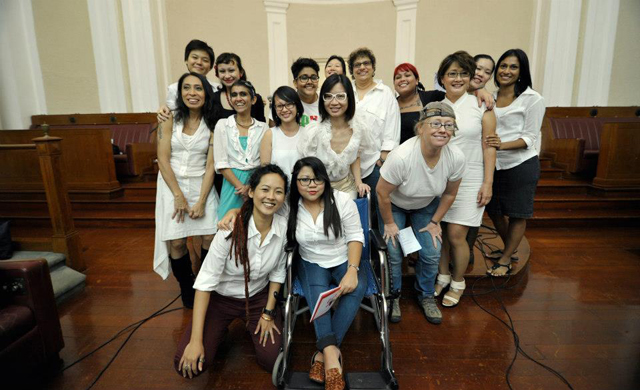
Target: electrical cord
<point>498,297</point>
<point>132,328</point>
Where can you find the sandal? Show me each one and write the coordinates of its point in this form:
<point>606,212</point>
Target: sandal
<point>497,254</point>
<point>334,378</point>
<point>442,281</point>
<point>497,266</point>
<point>316,373</point>
<point>452,297</point>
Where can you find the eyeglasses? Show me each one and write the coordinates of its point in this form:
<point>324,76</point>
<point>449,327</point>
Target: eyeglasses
<point>288,106</point>
<point>359,64</point>
<point>304,78</point>
<point>454,75</point>
<point>447,126</point>
<point>340,96</point>
<point>306,181</point>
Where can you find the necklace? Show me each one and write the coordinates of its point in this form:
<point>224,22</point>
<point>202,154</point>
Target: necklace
<point>228,100</point>
<point>245,126</point>
<point>416,103</point>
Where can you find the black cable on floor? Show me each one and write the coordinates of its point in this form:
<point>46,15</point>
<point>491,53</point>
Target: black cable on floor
<point>516,339</point>
<point>135,326</point>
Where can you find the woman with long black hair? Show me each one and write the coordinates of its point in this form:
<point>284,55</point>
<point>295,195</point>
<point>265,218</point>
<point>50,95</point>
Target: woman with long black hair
<point>519,112</point>
<point>239,278</point>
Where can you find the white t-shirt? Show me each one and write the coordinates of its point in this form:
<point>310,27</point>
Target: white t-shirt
<point>310,115</point>
<point>329,251</point>
<point>418,184</point>
<point>267,262</point>
<point>520,119</point>
<point>284,149</point>
<point>172,93</point>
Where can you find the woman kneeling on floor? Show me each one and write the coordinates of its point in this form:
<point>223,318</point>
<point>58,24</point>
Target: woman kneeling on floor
<point>239,278</point>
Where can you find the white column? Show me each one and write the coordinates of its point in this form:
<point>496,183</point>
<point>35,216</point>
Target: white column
<point>103,17</point>
<point>562,47</point>
<point>406,15</point>
<point>21,84</point>
<point>277,38</point>
<point>597,53</point>
<point>138,34</point>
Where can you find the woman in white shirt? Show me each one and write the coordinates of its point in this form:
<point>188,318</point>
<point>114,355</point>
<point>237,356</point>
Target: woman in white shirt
<point>325,224</point>
<point>473,125</point>
<point>519,112</point>
<point>237,146</point>
<point>239,279</point>
<point>419,182</point>
<point>339,137</point>
<point>280,143</point>
<point>185,204</point>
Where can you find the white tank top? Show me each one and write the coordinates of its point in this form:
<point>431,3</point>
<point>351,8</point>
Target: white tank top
<point>284,150</point>
<point>189,153</point>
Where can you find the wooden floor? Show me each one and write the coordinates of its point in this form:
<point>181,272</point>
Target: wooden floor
<point>576,309</point>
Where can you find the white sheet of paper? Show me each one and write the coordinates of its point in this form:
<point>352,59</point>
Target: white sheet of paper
<point>325,301</point>
<point>408,241</point>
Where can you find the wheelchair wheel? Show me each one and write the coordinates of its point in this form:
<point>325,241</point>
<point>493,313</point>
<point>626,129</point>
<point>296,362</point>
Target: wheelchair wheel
<point>277,368</point>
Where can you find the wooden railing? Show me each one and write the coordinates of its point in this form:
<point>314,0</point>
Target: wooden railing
<point>65,238</point>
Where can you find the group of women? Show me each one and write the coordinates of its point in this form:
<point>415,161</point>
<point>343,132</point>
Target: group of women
<point>429,158</point>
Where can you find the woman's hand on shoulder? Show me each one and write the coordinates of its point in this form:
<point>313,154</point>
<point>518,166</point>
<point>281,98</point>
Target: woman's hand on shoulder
<point>192,360</point>
<point>229,219</point>
<point>485,97</point>
<point>164,114</point>
<point>242,190</point>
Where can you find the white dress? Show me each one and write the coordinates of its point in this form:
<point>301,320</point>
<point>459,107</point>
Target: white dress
<point>284,149</point>
<point>316,141</point>
<point>188,161</point>
<point>468,138</point>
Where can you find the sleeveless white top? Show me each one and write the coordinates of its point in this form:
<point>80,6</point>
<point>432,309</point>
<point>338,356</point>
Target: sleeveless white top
<point>189,153</point>
<point>284,149</point>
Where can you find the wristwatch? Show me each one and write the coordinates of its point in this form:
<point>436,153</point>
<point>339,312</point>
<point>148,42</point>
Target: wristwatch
<point>354,266</point>
<point>270,313</point>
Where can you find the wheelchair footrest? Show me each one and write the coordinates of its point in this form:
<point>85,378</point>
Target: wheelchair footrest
<point>300,381</point>
<point>367,380</point>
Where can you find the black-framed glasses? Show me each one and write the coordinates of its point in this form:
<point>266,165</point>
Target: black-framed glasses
<point>304,78</point>
<point>454,75</point>
<point>340,96</point>
<point>447,126</point>
<point>306,181</point>
<point>288,106</point>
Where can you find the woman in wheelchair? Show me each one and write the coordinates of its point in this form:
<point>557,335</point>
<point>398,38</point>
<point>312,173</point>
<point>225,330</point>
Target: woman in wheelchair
<point>239,278</point>
<point>326,227</point>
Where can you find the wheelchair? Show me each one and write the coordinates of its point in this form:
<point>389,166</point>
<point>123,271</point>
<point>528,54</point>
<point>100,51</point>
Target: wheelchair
<point>374,262</point>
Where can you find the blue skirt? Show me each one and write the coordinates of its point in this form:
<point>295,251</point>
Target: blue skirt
<point>228,199</point>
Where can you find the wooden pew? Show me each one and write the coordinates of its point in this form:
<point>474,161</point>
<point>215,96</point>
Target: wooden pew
<point>87,160</point>
<point>619,161</point>
<point>571,135</point>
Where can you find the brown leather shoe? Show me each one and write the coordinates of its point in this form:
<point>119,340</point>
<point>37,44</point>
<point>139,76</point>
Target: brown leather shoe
<point>316,373</point>
<point>334,380</point>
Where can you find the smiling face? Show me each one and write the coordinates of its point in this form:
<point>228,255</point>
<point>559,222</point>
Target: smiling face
<point>305,86</point>
<point>241,99</point>
<point>228,73</point>
<point>333,67</point>
<point>192,93</point>
<point>484,70</point>
<point>286,111</point>
<point>363,69</point>
<point>268,195</point>
<point>313,191</point>
<point>336,102</point>
<point>436,138</point>
<point>405,82</point>
<point>198,62</point>
<point>456,80</point>
<point>508,71</point>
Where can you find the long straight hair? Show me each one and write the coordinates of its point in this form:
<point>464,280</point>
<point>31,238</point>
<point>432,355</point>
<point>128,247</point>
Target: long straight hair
<point>331,219</point>
<point>239,251</point>
<point>209,111</point>
<point>524,81</point>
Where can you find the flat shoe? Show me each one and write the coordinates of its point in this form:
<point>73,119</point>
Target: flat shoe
<point>316,373</point>
<point>334,380</point>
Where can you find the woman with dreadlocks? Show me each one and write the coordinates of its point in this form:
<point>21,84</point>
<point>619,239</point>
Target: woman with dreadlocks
<point>239,278</point>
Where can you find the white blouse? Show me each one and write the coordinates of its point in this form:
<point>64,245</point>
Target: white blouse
<point>227,151</point>
<point>520,119</point>
<point>189,152</point>
<point>382,117</point>
<point>316,141</point>
<point>284,149</point>
<point>329,251</point>
<point>267,262</point>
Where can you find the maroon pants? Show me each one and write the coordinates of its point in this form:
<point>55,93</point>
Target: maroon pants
<point>220,313</point>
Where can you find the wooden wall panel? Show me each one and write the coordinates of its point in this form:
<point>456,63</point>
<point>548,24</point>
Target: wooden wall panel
<point>619,161</point>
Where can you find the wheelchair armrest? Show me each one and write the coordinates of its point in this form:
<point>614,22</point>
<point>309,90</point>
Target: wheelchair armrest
<point>290,250</point>
<point>377,240</point>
